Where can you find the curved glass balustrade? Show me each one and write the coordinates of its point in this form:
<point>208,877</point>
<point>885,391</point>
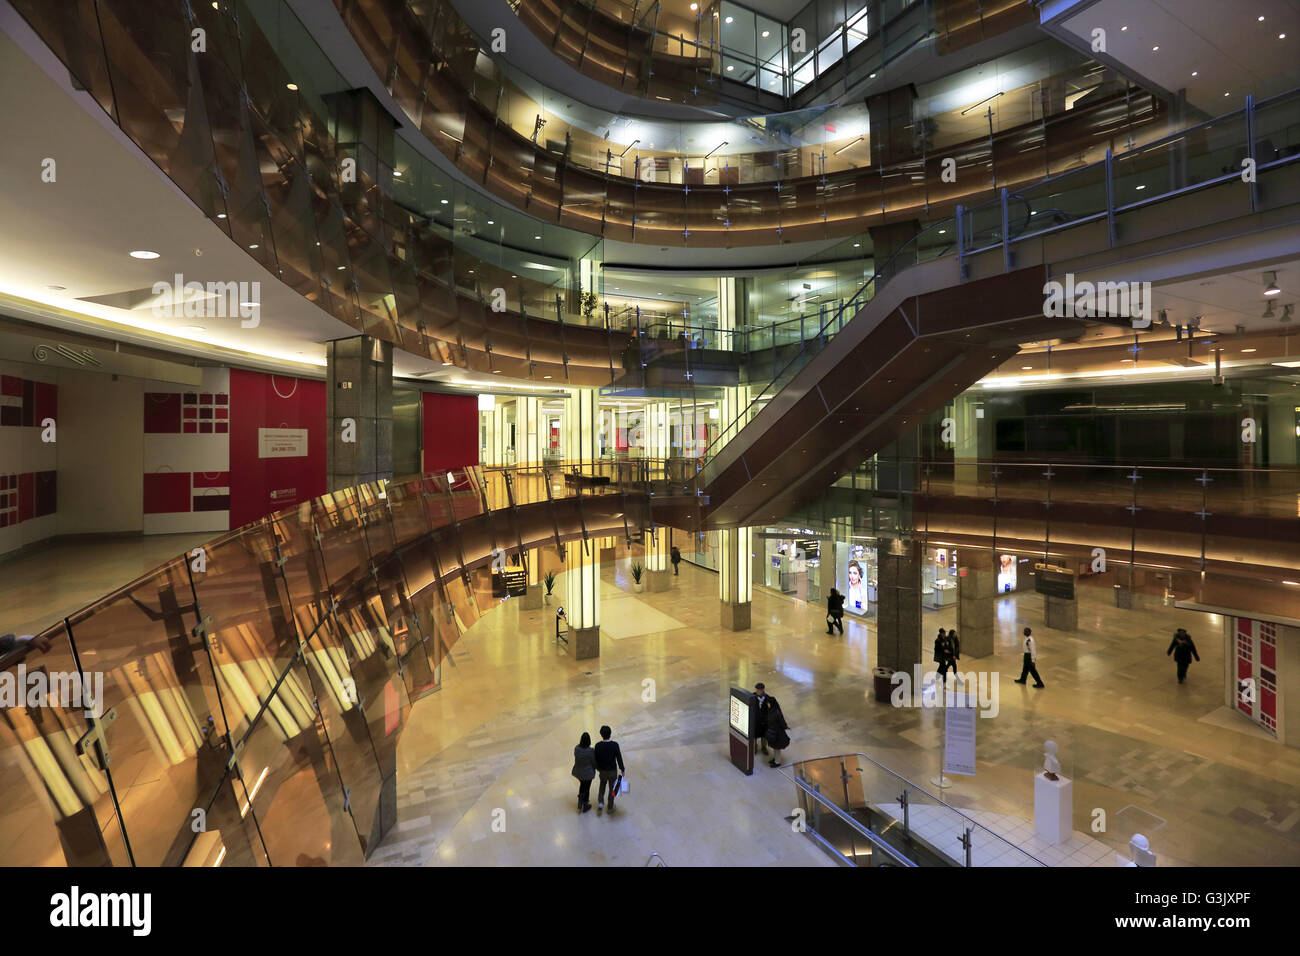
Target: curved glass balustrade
<point>706,53</point>
<point>432,65</point>
<point>253,690</point>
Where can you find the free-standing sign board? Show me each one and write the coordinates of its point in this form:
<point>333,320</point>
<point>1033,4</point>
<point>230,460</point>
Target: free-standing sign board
<point>1054,582</point>
<point>959,739</point>
<point>740,725</point>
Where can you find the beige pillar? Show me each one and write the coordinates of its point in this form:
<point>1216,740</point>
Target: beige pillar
<point>582,597</point>
<point>735,586</point>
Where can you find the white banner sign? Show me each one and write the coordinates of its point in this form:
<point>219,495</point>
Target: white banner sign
<point>282,443</point>
<point>959,740</point>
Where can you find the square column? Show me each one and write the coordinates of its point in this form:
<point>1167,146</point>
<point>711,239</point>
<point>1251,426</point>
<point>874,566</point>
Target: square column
<point>582,597</point>
<point>898,619</point>
<point>977,594</point>
<point>358,411</point>
<point>735,586</point>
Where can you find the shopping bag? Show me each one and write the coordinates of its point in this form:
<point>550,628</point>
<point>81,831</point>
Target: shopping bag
<point>621,785</point>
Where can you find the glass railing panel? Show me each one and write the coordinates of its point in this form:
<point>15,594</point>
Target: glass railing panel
<point>165,745</point>
<point>58,810</point>
<point>1206,152</point>
<point>1277,128</point>
<point>1063,199</point>
<point>299,809</point>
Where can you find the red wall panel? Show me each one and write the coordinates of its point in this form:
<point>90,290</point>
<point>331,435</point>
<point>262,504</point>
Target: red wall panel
<point>450,438</point>
<point>166,492</point>
<point>258,485</point>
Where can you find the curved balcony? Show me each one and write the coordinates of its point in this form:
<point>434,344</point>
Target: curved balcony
<point>724,52</point>
<point>258,157</point>
<point>450,91</point>
<point>259,684</point>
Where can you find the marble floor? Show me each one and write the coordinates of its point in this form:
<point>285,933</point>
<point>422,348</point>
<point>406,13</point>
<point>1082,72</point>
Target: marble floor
<point>483,774</point>
<point>46,584</point>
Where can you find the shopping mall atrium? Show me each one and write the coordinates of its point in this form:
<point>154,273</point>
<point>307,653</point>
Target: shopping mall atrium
<point>880,416</point>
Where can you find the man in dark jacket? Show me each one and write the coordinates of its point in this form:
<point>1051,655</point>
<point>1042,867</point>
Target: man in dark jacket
<point>761,704</point>
<point>942,654</point>
<point>609,764</point>
<point>776,731</point>
<point>835,611</point>
<point>676,558</point>
<point>1183,649</point>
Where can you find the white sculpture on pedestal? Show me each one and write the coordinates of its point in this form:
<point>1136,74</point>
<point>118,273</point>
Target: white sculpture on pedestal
<point>1051,765</point>
<point>1139,849</point>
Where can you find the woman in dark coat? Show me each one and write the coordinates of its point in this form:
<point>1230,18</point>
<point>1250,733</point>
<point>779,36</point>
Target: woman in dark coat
<point>776,735</point>
<point>1183,649</point>
<point>584,768</point>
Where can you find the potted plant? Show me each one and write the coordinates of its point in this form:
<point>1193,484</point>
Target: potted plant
<point>637,571</point>
<point>549,581</point>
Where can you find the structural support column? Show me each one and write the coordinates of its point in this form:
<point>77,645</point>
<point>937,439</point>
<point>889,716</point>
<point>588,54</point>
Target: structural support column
<point>358,411</point>
<point>530,432</point>
<point>582,597</point>
<point>581,426</point>
<point>735,586</point>
<point>898,620</point>
<point>659,575</point>
<point>977,594</point>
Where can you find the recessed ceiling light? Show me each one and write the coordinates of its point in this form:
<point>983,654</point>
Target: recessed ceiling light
<point>1155,49</point>
<point>1195,72</point>
<point>292,87</point>
<point>872,76</point>
<point>856,245</point>
<point>1261,19</point>
<point>491,223</point>
<point>1139,187</point>
<point>143,254</point>
<point>496,371</point>
<point>253,246</point>
<point>341,268</point>
<point>1281,36</point>
<point>221,215</point>
<point>397,173</point>
<point>443,201</point>
<point>766,34</point>
<point>1225,94</point>
<point>1249,350</point>
<point>731,19</point>
<point>537,237</point>
<point>942,231</point>
<point>694,6</point>
<point>730,67</point>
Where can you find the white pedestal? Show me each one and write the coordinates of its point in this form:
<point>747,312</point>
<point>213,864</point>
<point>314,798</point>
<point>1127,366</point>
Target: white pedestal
<point>1053,808</point>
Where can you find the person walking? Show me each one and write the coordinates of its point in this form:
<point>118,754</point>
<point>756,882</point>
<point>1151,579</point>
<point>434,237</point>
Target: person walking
<point>942,654</point>
<point>1031,657</point>
<point>954,652</point>
<point>835,611</point>
<point>762,703</point>
<point>609,764</point>
<point>776,734</point>
<point>584,768</point>
<point>676,558</point>
<point>1184,649</point>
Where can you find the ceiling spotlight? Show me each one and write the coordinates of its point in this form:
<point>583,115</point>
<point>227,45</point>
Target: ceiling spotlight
<point>1164,317</point>
<point>1195,73</point>
<point>1271,289</point>
<point>1122,29</point>
<point>1261,19</point>
<point>730,67</point>
<point>1268,310</point>
<point>732,20</point>
<point>253,246</point>
<point>143,254</point>
<point>1288,311</point>
<point>397,173</point>
<point>443,201</point>
<point>491,223</point>
<point>767,34</point>
<point>291,87</point>
<point>1155,49</point>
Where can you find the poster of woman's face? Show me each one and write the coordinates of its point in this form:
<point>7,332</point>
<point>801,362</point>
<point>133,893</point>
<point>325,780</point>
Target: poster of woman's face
<point>1007,573</point>
<point>855,598</point>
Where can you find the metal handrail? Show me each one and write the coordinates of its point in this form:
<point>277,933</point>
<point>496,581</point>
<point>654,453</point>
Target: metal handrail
<point>873,838</point>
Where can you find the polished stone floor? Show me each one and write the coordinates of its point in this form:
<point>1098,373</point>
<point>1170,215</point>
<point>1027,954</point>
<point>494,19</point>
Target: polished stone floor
<point>484,764</point>
<point>42,586</point>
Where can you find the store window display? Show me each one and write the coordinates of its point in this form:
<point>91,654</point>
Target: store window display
<point>939,579</point>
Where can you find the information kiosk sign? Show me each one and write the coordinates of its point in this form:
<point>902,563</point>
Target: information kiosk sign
<point>740,724</point>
